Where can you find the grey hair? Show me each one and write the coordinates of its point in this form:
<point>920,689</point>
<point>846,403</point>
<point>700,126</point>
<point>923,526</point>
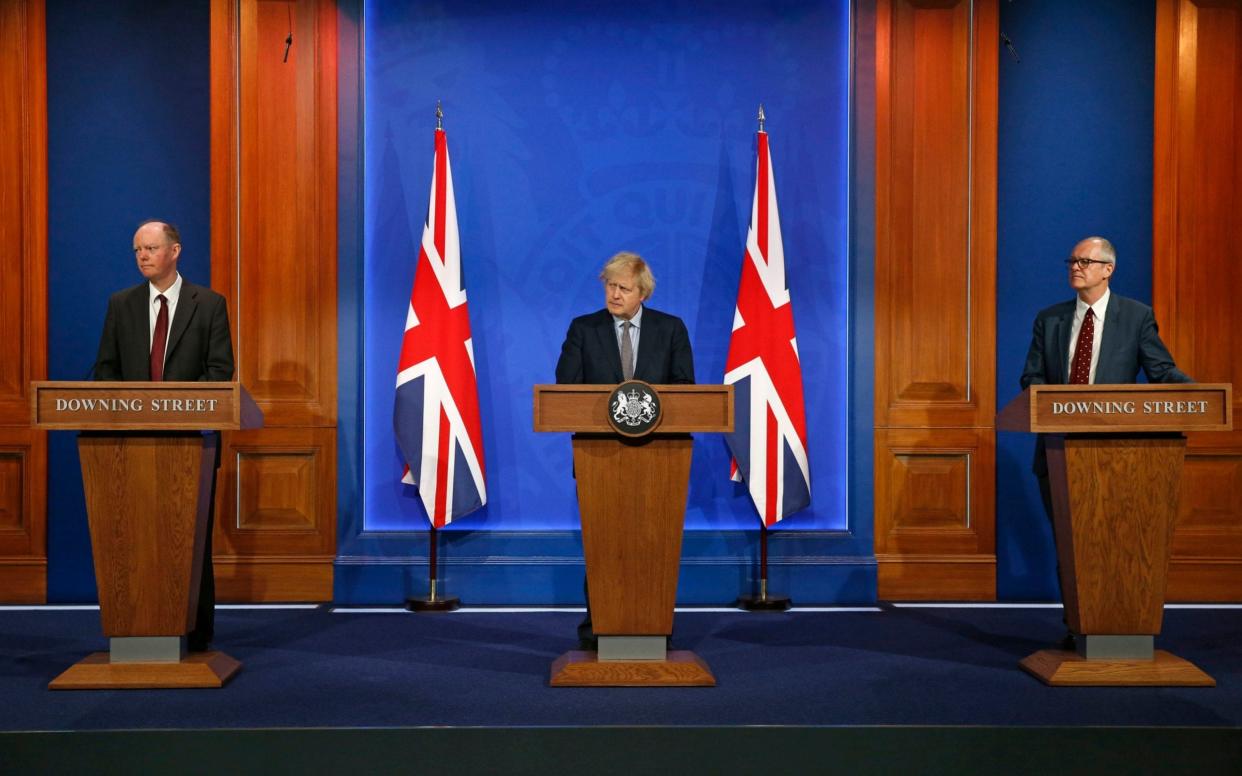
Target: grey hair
<point>1107,251</point>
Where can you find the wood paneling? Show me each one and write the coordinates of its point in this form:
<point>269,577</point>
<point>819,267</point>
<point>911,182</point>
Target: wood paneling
<point>276,490</point>
<point>23,515</point>
<point>12,492</point>
<point>17,534</point>
<point>936,485</point>
<point>285,482</point>
<point>23,287</point>
<point>274,257</point>
<point>1197,269</point>
<point>936,114</point>
<point>275,538</point>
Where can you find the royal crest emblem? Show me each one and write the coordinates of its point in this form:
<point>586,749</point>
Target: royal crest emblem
<point>634,408</point>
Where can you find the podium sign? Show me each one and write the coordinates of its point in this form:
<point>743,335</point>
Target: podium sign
<point>148,473</point>
<point>1078,409</point>
<point>112,406</point>
<point>632,501</point>
<point>1115,456</point>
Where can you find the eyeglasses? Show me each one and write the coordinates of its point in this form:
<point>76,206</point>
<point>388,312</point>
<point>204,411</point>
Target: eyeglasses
<point>1075,261</point>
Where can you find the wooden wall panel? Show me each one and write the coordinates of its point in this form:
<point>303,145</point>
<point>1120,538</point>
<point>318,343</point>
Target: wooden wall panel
<point>279,543</point>
<point>23,287</point>
<point>287,283</point>
<point>23,515</point>
<point>1197,269</point>
<point>936,497</point>
<point>274,256</point>
<point>936,113</point>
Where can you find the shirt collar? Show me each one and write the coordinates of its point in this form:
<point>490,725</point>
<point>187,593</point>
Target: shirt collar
<point>636,320</point>
<point>1100,306</point>
<point>172,294</point>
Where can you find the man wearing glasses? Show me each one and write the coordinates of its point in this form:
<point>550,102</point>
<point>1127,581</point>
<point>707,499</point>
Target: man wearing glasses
<point>1099,337</point>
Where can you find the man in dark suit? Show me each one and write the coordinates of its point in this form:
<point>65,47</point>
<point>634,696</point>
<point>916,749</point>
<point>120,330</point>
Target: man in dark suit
<point>625,341</point>
<point>658,342</point>
<point>1097,337</point>
<point>170,329</point>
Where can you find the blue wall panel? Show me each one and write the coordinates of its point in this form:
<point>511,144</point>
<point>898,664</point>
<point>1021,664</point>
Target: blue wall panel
<point>576,130</point>
<point>128,139</point>
<point>1075,159</point>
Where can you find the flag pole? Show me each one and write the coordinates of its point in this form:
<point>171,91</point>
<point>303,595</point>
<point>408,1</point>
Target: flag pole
<point>763,602</point>
<point>433,602</point>
<point>443,231</point>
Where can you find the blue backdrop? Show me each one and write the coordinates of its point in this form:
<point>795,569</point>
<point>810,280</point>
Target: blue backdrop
<point>1075,159</point>
<point>580,129</point>
<point>128,139</point>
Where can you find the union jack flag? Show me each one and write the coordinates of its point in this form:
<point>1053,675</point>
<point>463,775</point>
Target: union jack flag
<point>436,417</point>
<point>769,440</point>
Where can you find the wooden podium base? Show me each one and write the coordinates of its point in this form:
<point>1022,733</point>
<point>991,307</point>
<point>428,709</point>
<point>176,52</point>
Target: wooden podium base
<point>197,670</point>
<point>682,668</point>
<point>1061,668</point>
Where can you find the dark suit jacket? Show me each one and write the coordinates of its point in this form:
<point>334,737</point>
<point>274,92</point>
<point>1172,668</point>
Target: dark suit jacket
<point>591,355</point>
<point>199,345</point>
<point>1130,342</point>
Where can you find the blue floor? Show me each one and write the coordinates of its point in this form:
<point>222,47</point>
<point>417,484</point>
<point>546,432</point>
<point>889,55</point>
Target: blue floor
<point>309,668</point>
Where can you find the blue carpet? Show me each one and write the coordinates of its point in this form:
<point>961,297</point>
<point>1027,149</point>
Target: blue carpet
<point>900,666</point>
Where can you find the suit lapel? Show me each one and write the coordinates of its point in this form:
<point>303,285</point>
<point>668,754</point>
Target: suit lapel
<point>1113,321</point>
<point>186,306</point>
<point>139,345</point>
<point>644,365</point>
<point>1064,325</point>
<point>608,342</point>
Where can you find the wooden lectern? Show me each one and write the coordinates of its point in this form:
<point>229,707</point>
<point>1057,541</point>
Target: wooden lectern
<point>1115,465</point>
<point>632,502</point>
<point>148,472</point>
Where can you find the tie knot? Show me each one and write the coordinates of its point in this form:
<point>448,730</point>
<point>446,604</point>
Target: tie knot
<point>164,300</point>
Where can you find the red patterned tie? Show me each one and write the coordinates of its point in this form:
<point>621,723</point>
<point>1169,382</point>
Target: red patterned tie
<point>161,339</point>
<point>1080,368</point>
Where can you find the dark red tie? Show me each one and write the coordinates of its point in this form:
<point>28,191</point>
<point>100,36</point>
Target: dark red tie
<point>1080,368</point>
<point>161,339</point>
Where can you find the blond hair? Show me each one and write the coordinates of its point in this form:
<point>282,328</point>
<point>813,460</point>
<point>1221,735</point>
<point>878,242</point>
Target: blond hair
<point>626,263</point>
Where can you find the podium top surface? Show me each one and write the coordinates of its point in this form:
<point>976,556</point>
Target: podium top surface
<point>142,406</point>
<point>1131,408</point>
<point>584,408</point>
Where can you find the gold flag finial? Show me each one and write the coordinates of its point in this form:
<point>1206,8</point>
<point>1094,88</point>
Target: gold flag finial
<point>762,118</point>
<point>439,116</point>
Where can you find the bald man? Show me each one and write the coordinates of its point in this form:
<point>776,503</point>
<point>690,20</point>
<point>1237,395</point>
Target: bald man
<point>190,323</point>
<point>1119,337</point>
